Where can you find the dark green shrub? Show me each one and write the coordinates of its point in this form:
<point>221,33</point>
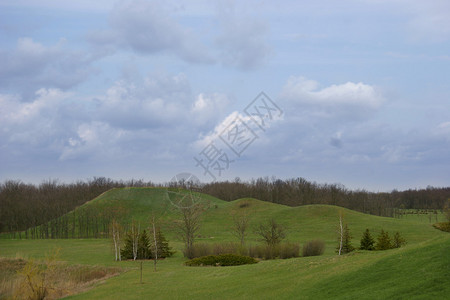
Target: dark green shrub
<point>221,260</point>
<point>313,248</point>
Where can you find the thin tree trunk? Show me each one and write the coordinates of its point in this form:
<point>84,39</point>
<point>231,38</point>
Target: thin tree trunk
<point>155,243</point>
<point>341,233</point>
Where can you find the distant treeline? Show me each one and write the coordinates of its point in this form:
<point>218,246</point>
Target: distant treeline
<point>299,191</point>
<point>24,206</point>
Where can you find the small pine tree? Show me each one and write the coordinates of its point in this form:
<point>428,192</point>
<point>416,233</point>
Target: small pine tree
<point>383,241</point>
<point>144,250</point>
<point>367,241</point>
<point>346,245</point>
<point>127,251</point>
<point>398,241</point>
<point>163,245</point>
<point>346,241</point>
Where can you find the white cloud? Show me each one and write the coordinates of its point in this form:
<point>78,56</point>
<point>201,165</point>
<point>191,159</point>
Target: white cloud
<point>209,107</point>
<point>93,140</point>
<point>350,100</point>
<point>32,122</point>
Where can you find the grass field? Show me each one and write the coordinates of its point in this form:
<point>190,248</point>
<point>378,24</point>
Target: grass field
<point>420,270</point>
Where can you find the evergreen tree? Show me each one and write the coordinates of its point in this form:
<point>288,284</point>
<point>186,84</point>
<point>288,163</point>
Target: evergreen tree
<point>383,241</point>
<point>163,245</point>
<point>144,250</point>
<point>127,251</point>
<point>346,241</point>
<point>367,241</point>
<point>347,246</point>
<point>398,241</point>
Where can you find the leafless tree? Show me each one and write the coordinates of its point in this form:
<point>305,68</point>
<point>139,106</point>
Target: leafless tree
<point>134,234</point>
<point>116,233</point>
<point>271,233</point>
<point>190,208</point>
<point>240,226</point>
<point>341,232</point>
<point>155,242</point>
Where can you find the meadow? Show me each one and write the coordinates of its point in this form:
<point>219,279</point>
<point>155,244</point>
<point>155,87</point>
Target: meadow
<point>419,270</point>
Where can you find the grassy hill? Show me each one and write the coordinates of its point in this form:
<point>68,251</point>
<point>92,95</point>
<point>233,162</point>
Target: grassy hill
<point>420,270</point>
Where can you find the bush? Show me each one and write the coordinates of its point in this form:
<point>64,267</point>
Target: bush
<point>200,249</point>
<point>313,248</point>
<point>256,251</point>
<point>444,226</point>
<point>289,250</point>
<point>221,260</point>
<point>284,250</point>
<point>226,248</point>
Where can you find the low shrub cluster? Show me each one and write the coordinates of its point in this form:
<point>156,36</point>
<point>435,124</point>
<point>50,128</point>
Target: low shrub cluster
<point>283,250</point>
<point>221,260</point>
<point>205,249</point>
<point>49,279</point>
<point>313,248</point>
<point>444,226</point>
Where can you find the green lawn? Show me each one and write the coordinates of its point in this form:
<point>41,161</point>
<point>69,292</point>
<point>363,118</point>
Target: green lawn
<point>420,270</point>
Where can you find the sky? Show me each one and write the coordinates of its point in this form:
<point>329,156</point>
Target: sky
<point>354,92</point>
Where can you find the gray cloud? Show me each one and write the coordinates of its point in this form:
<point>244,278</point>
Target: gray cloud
<point>32,65</point>
<point>242,40</point>
<point>147,28</point>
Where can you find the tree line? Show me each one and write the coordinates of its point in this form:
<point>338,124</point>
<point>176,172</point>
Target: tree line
<point>299,191</point>
<point>24,206</point>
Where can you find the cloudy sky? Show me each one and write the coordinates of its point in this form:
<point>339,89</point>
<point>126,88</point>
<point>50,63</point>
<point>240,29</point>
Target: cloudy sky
<point>356,91</point>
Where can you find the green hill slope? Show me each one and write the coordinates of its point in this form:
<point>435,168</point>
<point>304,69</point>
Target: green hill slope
<point>420,270</point>
<point>301,223</point>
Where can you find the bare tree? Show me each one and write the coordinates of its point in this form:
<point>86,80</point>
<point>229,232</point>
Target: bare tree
<point>116,233</point>
<point>341,232</point>
<point>191,208</point>
<point>155,242</point>
<point>271,233</point>
<point>240,226</point>
<point>134,235</point>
